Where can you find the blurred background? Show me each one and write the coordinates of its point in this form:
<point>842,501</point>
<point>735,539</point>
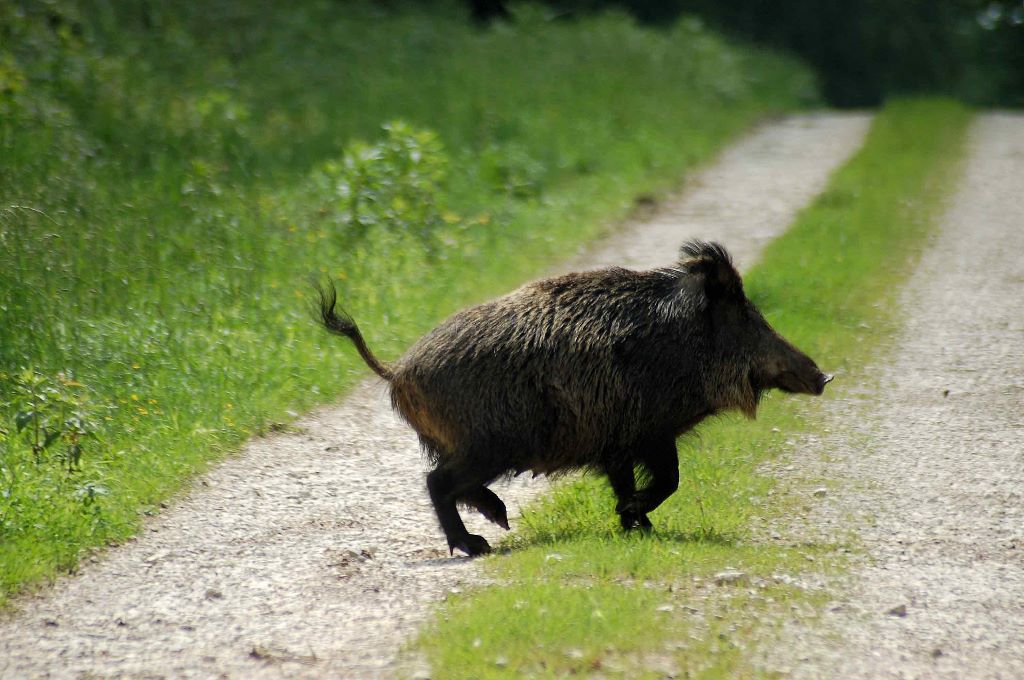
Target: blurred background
<point>862,50</point>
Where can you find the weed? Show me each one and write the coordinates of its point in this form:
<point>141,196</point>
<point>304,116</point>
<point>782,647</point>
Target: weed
<point>48,411</point>
<point>394,185</point>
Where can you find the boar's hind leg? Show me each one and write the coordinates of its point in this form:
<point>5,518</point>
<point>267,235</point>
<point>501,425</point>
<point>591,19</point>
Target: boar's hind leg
<point>623,481</point>
<point>487,504</point>
<point>662,464</point>
<point>446,485</point>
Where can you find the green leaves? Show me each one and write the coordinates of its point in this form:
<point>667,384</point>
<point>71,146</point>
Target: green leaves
<point>395,185</point>
<point>48,411</point>
<point>23,418</point>
<point>46,426</point>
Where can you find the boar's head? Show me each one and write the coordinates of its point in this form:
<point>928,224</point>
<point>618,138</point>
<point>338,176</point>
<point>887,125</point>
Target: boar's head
<point>748,355</point>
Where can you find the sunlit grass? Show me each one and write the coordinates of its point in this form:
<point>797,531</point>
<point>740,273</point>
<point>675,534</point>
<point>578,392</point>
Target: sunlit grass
<point>829,284</point>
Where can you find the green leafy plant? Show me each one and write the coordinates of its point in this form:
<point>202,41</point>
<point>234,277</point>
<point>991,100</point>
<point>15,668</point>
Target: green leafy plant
<point>51,411</point>
<point>395,185</point>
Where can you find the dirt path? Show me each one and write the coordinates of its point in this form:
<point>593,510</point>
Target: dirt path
<point>316,553</point>
<point>931,480</point>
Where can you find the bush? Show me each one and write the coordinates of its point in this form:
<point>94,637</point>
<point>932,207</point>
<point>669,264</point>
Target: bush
<point>394,185</point>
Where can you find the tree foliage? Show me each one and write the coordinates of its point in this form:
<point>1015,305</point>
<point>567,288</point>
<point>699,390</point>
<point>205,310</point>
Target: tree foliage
<point>866,50</point>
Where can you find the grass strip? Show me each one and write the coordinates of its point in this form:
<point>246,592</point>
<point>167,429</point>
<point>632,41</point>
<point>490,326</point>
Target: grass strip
<point>578,596</point>
<point>171,176</point>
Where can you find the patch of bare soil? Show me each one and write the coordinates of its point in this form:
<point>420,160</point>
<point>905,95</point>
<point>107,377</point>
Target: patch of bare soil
<point>315,552</point>
<point>928,462</point>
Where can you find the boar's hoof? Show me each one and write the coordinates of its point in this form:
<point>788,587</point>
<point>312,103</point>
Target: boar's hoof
<point>489,505</point>
<point>471,544</point>
<point>631,521</point>
<point>499,517</point>
<point>500,520</point>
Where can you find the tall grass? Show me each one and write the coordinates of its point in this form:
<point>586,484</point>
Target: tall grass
<point>172,173</point>
<point>582,596</point>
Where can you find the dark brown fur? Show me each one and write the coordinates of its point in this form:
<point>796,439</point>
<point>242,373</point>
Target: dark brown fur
<point>600,370</point>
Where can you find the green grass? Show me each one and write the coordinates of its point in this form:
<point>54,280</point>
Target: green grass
<point>172,173</point>
<point>579,596</point>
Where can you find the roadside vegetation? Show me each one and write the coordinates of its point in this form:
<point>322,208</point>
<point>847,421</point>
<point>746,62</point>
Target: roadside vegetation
<point>172,174</point>
<point>576,595</point>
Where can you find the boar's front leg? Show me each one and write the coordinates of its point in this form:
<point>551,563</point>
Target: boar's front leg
<point>662,464</point>
<point>487,504</point>
<point>623,481</point>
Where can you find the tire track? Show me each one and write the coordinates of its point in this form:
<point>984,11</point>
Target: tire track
<point>936,494</point>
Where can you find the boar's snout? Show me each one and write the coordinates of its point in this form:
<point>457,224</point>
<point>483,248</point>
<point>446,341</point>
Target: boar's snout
<point>797,373</point>
<point>816,384</point>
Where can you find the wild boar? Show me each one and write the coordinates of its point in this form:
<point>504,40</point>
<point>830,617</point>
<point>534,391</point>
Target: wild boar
<point>601,370</point>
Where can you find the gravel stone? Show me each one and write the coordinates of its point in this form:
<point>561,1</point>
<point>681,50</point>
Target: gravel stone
<point>730,577</point>
<point>321,535</point>
<point>899,610</point>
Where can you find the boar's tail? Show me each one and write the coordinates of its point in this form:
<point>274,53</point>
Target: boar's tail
<point>340,323</point>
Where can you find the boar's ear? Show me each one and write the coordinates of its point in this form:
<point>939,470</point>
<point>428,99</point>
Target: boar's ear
<point>713,264</point>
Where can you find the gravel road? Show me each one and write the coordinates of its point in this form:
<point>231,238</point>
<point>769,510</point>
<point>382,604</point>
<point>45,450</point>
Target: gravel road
<point>315,553</point>
<point>928,460</point>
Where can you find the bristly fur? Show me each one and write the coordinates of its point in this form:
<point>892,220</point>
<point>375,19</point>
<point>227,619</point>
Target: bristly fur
<point>714,263</point>
<point>601,370</point>
<point>696,249</point>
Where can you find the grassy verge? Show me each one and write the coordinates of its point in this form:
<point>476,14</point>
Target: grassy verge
<point>582,597</point>
<point>171,174</point>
